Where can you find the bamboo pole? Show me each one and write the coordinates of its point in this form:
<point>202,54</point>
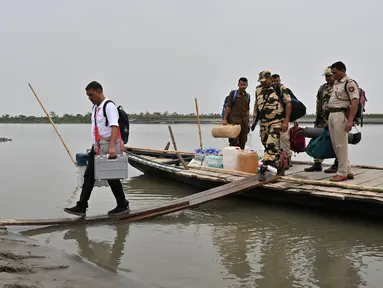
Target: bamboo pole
<point>53,124</point>
<point>332,184</point>
<point>199,123</point>
<point>160,150</point>
<point>175,148</point>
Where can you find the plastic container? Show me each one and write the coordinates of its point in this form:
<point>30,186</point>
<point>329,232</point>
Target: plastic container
<point>269,168</point>
<point>199,156</point>
<point>248,161</point>
<point>81,163</point>
<point>230,157</point>
<point>105,168</point>
<point>214,161</point>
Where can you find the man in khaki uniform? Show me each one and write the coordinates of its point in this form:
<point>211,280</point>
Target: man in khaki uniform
<point>238,112</point>
<point>343,105</point>
<point>285,136</point>
<point>323,96</point>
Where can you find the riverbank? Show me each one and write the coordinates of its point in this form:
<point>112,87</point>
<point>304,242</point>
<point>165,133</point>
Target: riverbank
<point>303,120</point>
<point>159,119</point>
<point>193,120</point>
<point>27,263</point>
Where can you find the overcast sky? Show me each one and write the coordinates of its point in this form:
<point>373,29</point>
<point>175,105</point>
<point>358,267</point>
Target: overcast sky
<point>157,55</point>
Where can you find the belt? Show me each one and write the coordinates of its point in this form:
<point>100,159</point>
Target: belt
<point>333,110</point>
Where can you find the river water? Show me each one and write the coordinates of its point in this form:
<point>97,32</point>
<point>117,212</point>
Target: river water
<point>225,243</point>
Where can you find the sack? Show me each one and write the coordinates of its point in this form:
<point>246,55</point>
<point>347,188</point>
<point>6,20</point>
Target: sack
<point>298,109</point>
<point>297,140</point>
<point>123,121</point>
<point>321,147</point>
<point>358,119</point>
<point>234,98</point>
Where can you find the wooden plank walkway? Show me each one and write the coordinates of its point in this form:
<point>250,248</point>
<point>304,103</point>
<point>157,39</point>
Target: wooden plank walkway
<point>170,207</point>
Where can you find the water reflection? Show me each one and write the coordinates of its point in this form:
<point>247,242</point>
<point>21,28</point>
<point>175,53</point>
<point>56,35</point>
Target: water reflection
<point>100,252</point>
<point>254,245</point>
<point>295,250</point>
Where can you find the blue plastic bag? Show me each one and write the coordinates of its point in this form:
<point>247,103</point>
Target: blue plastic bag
<point>321,147</point>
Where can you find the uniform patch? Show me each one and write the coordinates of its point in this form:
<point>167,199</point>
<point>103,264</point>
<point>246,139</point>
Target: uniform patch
<point>351,89</point>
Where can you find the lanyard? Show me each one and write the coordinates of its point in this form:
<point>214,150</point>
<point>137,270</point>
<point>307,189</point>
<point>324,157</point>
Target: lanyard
<point>98,136</point>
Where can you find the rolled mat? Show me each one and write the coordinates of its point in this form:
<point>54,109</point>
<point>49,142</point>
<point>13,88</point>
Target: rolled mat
<point>226,131</point>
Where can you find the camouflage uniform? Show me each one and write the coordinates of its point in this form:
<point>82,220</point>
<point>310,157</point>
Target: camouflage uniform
<point>270,112</point>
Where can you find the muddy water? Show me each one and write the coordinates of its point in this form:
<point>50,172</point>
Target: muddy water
<point>225,243</point>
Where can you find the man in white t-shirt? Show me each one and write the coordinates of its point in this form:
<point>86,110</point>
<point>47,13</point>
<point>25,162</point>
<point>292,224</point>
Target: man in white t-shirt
<point>106,140</point>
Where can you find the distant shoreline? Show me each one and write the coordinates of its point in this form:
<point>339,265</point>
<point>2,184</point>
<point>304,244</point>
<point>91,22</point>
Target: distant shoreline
<point>168,120</point>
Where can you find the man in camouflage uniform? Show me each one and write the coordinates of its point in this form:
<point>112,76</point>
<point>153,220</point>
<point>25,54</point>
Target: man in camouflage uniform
<point>273,119</point>
<point>322,114</point>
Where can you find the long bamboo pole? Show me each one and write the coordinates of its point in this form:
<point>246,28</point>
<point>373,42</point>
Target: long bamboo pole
<point>53,124</point>
<point>199,123</point>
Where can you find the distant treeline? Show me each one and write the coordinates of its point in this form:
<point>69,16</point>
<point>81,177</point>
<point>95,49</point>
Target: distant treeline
<point>138,118</point>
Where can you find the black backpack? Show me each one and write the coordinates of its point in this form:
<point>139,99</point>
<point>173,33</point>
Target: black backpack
<point>298,109</point>
<point>123,121</point>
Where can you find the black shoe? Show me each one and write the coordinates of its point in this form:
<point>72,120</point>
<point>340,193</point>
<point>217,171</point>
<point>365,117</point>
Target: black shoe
<point>262,172</point>
<point>76,210</point>
<point>332,169</point>
<point>317,167</point>
<point>119,210</point>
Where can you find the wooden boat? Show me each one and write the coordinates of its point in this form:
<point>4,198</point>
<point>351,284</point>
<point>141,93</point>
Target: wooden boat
<point>363,195</point>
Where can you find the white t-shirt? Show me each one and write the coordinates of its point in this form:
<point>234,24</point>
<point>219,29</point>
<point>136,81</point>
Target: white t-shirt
<point>112,114</point>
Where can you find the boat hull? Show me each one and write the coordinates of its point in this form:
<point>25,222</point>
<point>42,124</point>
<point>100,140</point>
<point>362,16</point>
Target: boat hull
<point>299,199</point>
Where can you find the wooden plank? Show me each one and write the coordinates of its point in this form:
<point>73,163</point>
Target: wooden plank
<point>295,169</point>
<point>171,206</point>
<point>375,183</point>
<point>331,195</point>
<point>281,185</point>
<point>241,186</point>
<point>221,170</point>
<point>203,177</point>
<point>332,184</point>
<point>341,191</point>
<point>352,166</point>
<point>311,175</point>
<point>318,188</point>
<point>366,177</point>
<point>216,174</point>
<point>159,151</point>
<point>298,191</point>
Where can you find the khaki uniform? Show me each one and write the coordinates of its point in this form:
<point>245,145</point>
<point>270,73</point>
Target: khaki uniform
<point>338,104</point>
<point>239,115</point>
<point>322,113</point>
<point>270,117</point>
<point>285,136</point>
